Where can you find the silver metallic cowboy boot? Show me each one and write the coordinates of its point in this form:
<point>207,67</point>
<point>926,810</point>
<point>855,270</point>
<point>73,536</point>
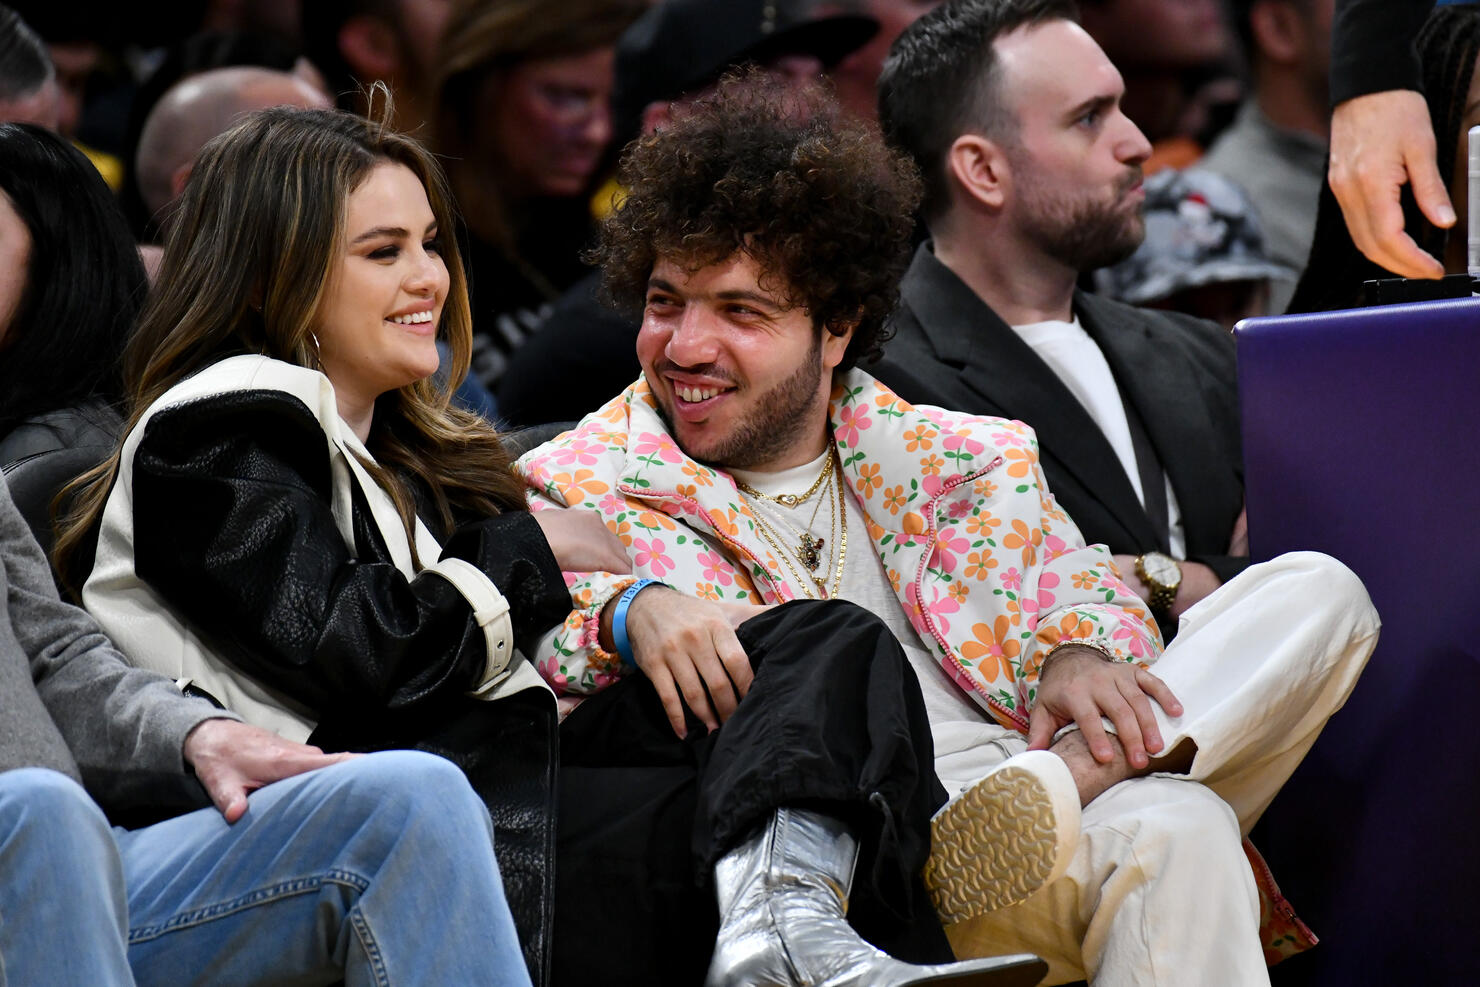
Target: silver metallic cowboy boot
<point>783,894</point>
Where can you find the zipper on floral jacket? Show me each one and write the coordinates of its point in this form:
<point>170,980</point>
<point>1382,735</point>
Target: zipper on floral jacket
<point>1007,715</point>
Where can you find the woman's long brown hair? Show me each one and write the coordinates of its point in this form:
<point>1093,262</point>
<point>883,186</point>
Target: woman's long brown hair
<point>248,257</point>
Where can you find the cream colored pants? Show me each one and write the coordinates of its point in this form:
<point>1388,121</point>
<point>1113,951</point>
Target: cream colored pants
<point>1159,891</point>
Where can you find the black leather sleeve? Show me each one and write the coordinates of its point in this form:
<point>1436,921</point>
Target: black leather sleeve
<point>512,551</point>
<point>233,527</point>
<point>1372,46</point>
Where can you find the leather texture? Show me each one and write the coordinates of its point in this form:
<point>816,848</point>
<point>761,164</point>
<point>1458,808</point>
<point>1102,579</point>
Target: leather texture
<point>41,455</point>
<point>233,528</point>
<point>1177,372</point>
<point>783,894</point>
<point>522,440</point>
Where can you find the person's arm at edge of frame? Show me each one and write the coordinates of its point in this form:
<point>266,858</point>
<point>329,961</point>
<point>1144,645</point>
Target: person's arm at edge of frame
<point>122,719</point>
<point>1381,134</point>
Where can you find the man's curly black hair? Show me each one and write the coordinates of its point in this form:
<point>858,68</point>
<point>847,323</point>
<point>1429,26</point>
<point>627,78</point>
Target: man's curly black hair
<point>824,208</point>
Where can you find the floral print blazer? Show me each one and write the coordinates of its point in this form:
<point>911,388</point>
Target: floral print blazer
<point>990,571</point>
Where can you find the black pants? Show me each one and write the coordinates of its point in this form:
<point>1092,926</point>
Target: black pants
<point>834,722</point>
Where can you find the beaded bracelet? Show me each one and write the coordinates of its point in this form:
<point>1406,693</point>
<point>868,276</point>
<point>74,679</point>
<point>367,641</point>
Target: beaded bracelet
<point>619,619</point>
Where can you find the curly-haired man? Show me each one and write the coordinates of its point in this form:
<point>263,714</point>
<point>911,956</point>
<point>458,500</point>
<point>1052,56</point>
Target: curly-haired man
<point>854,583</point>
<point>657,805</point>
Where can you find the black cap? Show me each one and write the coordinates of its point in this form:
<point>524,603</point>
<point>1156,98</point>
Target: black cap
<point>679,46</point>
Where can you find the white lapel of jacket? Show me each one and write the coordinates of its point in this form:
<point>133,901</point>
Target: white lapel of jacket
<point>348,450</point>
<point>657,472</point>
<point>347,465</point>
<point>248,371</point>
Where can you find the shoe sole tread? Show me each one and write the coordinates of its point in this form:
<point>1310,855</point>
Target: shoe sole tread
<point>993,847</point>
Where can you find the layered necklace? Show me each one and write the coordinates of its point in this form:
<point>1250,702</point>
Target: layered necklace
<point>788,543</point>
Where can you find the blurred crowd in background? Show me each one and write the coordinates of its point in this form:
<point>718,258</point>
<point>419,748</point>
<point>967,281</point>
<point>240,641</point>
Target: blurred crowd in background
<point>528,104</point>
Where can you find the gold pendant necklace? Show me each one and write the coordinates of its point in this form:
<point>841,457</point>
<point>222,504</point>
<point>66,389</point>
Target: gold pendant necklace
<point>809,547</point>
<point>789,500</point>
<point>809,551</point>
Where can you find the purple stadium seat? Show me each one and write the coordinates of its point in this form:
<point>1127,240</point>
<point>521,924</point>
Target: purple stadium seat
<point>1360,431</point>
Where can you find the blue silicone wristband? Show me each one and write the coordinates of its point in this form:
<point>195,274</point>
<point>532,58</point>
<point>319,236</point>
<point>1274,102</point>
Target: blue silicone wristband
<point>619,619</point>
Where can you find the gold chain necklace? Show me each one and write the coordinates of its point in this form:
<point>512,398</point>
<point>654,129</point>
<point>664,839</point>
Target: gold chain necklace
<point>790,500</point>
<point>810,546</point>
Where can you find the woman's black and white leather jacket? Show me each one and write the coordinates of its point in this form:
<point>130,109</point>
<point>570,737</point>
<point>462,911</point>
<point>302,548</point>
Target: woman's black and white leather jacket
<point>245,548</point>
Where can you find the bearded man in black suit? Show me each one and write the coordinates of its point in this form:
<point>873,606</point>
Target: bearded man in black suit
<point>1033,176</point>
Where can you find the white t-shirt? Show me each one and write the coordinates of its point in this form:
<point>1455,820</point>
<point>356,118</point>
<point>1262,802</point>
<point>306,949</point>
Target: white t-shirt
<point>1076,359</point>
<point>967,740</point>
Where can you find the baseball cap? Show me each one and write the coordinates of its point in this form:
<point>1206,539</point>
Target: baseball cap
<point>679,46</point>
<point>1201,229</point>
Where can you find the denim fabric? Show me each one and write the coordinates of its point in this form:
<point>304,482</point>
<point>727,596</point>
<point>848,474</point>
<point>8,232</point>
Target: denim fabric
<point>62,901</point>
<point>375,871</point>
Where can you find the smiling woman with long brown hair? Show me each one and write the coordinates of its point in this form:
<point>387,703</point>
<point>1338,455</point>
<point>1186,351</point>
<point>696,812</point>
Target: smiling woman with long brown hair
<point>298,523</point>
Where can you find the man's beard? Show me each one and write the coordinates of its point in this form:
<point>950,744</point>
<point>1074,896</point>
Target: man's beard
<point>1081,232</point>
<point>772,426</point>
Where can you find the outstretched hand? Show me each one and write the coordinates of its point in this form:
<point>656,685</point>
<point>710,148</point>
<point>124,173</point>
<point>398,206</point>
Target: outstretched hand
<point>688,649</point>
<point>1079,686</point>
<point>1378,142</point>
<point>232,759</point>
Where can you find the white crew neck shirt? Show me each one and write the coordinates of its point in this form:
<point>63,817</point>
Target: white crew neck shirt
<point>968,742</point>
<point>1077,361</point>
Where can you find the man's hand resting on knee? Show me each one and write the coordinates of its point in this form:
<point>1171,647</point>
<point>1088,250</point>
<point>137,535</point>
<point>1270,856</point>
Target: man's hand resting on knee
<point>232,759</point>
<point>688,649</point>
<point>1079,686</point>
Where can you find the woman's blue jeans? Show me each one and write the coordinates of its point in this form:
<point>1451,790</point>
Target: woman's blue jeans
<point>378,870</point>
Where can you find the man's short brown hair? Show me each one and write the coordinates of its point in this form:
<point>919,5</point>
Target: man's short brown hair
<point>942,80</point>
<point>820,203</point>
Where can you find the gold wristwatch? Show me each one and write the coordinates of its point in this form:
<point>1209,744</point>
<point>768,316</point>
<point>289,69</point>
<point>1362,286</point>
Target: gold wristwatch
<point>1162,576</point>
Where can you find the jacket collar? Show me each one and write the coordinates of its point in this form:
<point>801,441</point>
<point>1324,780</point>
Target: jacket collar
<point>996,368</point>
<point>657,472</point>
<point>870,426</point>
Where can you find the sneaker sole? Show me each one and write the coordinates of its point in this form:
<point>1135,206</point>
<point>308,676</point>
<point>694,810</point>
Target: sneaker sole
<point>995,845</point>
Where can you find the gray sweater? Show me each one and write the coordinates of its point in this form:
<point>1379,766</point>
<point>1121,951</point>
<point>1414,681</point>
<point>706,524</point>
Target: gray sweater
<point>71,703</point>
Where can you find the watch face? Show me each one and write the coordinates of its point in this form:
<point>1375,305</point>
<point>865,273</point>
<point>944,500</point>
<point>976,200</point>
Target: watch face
<point>1162,569</point>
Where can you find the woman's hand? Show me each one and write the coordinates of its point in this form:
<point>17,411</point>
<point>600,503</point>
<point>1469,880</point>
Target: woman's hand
<point>581,541</point>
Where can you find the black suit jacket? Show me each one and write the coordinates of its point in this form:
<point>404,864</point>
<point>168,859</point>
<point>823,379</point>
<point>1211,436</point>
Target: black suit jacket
<point>951,349</point>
